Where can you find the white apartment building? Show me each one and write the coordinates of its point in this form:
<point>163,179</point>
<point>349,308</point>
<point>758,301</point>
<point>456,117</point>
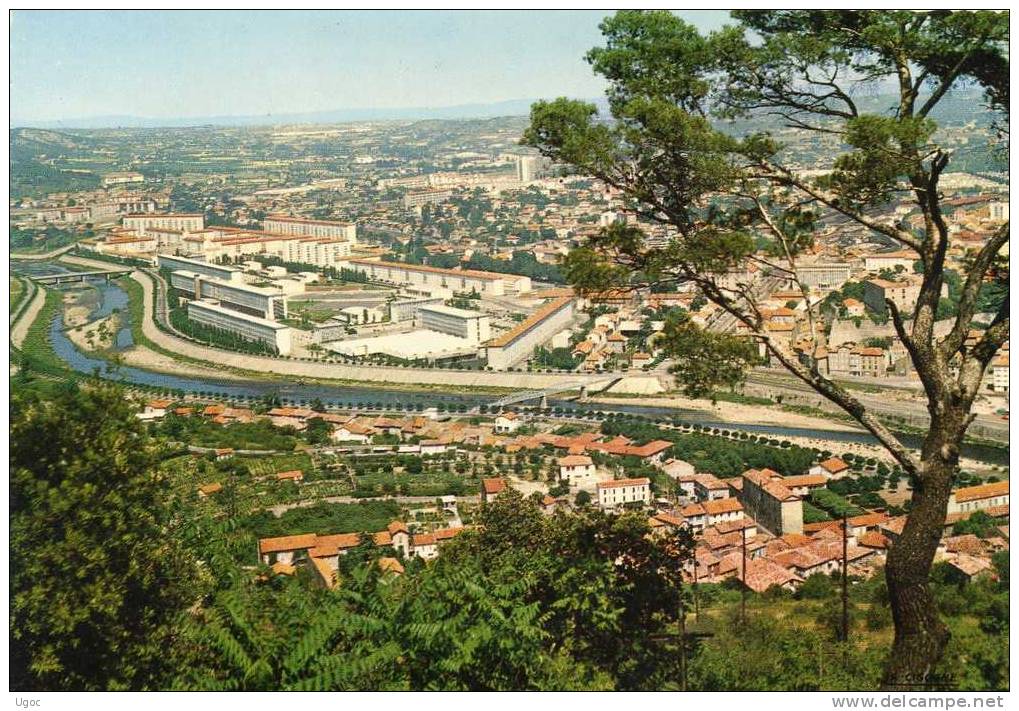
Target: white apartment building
<point>333,229</point>
<point>472,325</point>
<point>425,197</point>
<point>459,280</point>
<point>527,168</point>
<point>320,252</point>
<point>253,328</point>
<point>122,178</point>
<point>613,494</point>
<point>216,271</point>
<point>185,222</point>
<point>519,343</point>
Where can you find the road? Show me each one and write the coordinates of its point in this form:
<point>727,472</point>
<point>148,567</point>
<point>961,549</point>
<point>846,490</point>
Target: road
<point>19,330</point>
<point>42,257</point>
<point>915,412</point>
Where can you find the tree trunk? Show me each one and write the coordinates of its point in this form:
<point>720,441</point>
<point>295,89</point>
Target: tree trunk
<point>920,635</point>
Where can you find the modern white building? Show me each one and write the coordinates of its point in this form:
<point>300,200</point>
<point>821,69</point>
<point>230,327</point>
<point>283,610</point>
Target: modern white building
<point>253,328</point>
<point>613,494</point>
<point>519,343</point>
<point>185,222</point>
<point>215,271</point>
<point>890,260</point>
<point>419,198</point>
<point>823,276</point>
<point>407,309</point>
<point>284,225</point>
<point>262,301</point>
<point>463,323</point>
<point>997,211</point>
<point>459,280</point>
<point>527,168</point>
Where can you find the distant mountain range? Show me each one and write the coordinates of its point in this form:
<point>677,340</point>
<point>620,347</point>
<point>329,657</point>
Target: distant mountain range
<point>513,107</point>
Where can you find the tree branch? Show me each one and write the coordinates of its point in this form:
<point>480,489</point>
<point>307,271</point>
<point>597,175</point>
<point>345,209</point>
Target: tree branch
<point>951,343</point>
<point>785,176</point>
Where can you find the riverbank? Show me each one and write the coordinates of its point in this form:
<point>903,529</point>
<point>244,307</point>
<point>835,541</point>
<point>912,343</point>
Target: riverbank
<point>730,412</point>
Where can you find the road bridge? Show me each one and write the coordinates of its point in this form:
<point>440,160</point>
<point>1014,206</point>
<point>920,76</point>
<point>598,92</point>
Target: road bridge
<point>542,395</point>
<point>68,277</point>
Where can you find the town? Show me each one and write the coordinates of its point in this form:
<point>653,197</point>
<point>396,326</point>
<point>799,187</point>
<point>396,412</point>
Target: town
<point>682,388</point>
<point>762,528</point>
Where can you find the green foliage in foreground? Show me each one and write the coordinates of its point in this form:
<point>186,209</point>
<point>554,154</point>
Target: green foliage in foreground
<point>325,518</point>
<point>257,435</point>
<point>96,574</point>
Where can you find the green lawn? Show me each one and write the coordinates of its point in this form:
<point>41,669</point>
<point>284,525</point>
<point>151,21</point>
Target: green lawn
<point>17,291</point>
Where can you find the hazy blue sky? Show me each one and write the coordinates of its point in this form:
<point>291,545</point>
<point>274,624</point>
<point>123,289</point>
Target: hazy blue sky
<point>79,64</point>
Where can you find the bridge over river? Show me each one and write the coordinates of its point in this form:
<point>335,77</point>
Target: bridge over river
<point>68,277</point>
<point>542,395</point>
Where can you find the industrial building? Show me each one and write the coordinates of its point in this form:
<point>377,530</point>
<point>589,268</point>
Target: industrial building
<point>407,309</point>
<point>253,328</point>
<point>419,344</point>
<point>519,343</point>
<point>459,280</point>
<point>462,323</point>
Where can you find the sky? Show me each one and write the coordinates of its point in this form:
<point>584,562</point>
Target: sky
<point>172,64</point>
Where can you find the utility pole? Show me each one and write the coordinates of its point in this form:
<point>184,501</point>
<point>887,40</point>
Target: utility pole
<point>682,641</point>
<point>696,601</point>
<point>845,586</point>
<point>743,576</point>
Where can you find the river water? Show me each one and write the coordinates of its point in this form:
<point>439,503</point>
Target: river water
<point>111,296</point>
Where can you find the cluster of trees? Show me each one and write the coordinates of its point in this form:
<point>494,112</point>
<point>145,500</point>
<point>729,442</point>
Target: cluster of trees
<point>324,518</point>
<point>722,457</point>
<point>261,434</point>
<point>44,240</point>
<point>558,358</point>
<point>522,263</point>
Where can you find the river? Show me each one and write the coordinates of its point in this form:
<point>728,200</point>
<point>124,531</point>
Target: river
<point>111,296</point>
